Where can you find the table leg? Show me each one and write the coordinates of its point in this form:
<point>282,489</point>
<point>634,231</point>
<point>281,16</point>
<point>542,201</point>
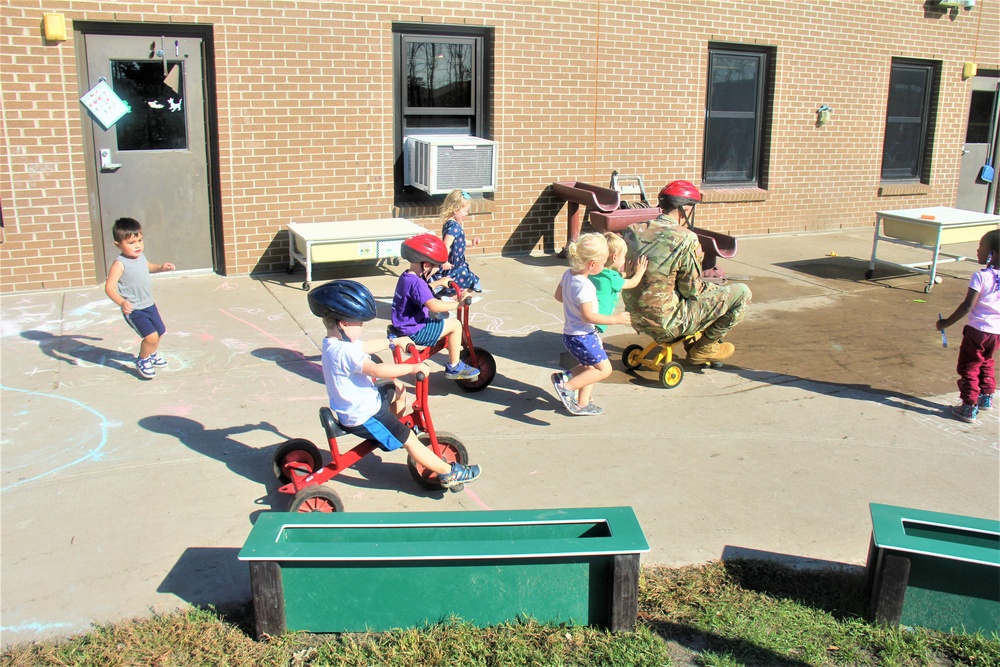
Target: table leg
<point>871,264</point>
<point>934,263</point>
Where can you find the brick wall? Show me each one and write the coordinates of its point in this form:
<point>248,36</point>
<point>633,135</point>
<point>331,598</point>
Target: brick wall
<point>578,89</point>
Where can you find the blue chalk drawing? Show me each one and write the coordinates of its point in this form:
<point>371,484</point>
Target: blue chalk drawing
<point>93,455</point>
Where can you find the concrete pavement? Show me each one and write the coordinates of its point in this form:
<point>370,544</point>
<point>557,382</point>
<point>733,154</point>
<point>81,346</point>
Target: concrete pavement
<point>121,496</point>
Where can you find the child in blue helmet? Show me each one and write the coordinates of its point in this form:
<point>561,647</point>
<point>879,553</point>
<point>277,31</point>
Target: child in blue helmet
<point>363,408</point>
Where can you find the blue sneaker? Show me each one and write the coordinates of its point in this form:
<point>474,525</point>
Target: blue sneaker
<point>986,401</point>
<point>967,412</point>
<point>157,360</point>
<point>460,371</point>
<point>145,368</point>
<point>459,475</point>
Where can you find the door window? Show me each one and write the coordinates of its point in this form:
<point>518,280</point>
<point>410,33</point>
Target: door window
<point>157,120</point>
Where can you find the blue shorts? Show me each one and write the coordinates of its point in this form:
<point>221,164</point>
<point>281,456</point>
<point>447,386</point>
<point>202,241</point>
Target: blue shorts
<point>146,321</point>
<point>587,348</point>
<point>429,334</point>
<point>383,428</point>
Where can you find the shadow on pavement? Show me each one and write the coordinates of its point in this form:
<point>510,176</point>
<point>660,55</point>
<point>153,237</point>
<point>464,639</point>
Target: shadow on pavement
<point>72,349</point>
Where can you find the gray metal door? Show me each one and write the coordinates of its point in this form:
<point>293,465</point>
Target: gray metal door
<point>152,164</point>
<point>975,194</point>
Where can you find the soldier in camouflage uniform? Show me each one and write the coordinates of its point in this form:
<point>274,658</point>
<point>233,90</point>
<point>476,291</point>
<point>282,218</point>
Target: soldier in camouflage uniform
<point>672,301</point>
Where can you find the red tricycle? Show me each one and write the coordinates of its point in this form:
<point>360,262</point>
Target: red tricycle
<point>477,358</point>
<point>299,465</point>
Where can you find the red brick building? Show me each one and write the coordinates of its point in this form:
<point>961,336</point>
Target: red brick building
<point>248,115</point>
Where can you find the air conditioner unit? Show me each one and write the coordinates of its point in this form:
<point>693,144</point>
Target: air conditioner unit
<point>440,163</point>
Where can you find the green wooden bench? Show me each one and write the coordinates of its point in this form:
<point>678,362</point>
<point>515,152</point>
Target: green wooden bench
<point>352,572</point>
<point>940,571</point>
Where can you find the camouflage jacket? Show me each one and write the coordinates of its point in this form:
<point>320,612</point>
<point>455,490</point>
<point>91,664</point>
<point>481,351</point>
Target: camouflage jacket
<point>671,300</point>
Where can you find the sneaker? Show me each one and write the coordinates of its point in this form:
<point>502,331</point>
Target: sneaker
<point>460,474</point>
<point>592,410</point>
<point>986,401</point>
<point>157,360</point>
<point>145,367</point>
<point>967,412</point>
<point>565,395</point>
<point>460,371</point>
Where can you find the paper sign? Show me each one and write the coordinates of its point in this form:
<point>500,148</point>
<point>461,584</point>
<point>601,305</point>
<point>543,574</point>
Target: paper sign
<point>106,106</point>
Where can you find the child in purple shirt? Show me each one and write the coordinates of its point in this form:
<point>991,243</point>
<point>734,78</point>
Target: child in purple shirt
<point>413,303</point>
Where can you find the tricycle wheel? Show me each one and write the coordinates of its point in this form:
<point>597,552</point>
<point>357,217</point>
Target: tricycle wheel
<point>671,375</point>
<point>632,357</point>
<point>298,450</point>
<point>316,498</point>
<point>452,451</point>
<point>487,366</point>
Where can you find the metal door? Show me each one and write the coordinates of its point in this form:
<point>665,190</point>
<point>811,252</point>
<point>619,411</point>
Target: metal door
<point>152,164</point>
<point>975,194</point>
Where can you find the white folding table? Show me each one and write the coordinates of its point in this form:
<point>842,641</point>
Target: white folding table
<point>319,242</point>
<point>929,228</point>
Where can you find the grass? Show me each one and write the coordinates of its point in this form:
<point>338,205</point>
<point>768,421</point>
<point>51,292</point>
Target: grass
<point>734,614</point>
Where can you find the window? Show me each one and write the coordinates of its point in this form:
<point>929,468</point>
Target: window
<point>908,124</point>
<point>737,115</point>
<point>440,83</point>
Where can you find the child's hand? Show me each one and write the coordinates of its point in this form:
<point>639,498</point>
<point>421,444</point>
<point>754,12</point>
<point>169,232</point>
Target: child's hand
<point>126,306</point>
<point>166,266</point>
<point>402,342</point>
<point>422,367</point>
<point>447,266</point>
<point>476,240</point>
<point>640,265</point>
<point>623,318</point>
<point>939,325</point>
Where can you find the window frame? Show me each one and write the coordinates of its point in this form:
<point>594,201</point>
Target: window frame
<point>481,39</point>
<point>765,58</point>
<point>918,171</point>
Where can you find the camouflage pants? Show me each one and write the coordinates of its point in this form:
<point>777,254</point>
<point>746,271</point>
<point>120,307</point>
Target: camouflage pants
<point>713,313</point>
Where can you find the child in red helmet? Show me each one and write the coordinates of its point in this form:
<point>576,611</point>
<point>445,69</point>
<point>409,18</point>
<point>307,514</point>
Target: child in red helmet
<point>413,302</point>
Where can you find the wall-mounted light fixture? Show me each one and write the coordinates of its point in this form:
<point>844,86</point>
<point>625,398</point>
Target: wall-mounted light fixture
<point>823,115</point>
<point>964,4</point>
<point>969,70</point>
<point>54,27</point>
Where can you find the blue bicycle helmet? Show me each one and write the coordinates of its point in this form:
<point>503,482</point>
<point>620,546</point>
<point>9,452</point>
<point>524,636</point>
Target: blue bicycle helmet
<point>345,300</point>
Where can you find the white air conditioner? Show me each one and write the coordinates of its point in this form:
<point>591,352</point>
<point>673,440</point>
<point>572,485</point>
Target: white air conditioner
<point>440,163</point>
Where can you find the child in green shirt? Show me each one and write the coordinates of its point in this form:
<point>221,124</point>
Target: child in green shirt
<point>611,281</point>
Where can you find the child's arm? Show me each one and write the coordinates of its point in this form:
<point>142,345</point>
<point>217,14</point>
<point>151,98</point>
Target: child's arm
<point>961,312</point>
<point>389,371</point>
<point>111,287</point>
<point>588,314</point>
<point>439,306</point>
<point>160,268</point>
<point>558,294</point>
<point>448,240</point>
<point>640,270</point>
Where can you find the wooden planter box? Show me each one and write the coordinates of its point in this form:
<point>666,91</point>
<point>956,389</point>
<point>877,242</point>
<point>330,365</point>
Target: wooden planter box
<point>352,572</point>
<point>939,571</point>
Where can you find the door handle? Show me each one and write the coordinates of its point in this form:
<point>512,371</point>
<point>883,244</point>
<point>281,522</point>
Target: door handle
<point>965,152</point>
<point>106,163</point>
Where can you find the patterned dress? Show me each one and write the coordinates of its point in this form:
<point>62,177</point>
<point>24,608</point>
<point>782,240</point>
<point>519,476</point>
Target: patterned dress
<point>459,271</point>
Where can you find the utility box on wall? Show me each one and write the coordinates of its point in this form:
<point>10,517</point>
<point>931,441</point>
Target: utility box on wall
<point>438,164</point>
<point>355,572</point>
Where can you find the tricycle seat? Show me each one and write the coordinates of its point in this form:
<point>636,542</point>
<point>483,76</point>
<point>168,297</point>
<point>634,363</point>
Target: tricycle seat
<point>330,424</point>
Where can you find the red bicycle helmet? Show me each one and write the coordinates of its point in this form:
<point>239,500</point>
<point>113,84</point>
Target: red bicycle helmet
<point>424,248</point>
<point>679,193</point>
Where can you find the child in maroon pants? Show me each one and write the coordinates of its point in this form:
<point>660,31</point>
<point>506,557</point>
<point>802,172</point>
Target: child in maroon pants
<point>980,337</point>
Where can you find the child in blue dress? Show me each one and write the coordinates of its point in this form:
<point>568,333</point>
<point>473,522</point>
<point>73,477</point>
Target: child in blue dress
<point>453,211</point>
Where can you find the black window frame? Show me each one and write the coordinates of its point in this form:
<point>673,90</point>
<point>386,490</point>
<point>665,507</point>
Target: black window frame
<point>918,168</point>
<point>481,38</point>
<point>755,173</point>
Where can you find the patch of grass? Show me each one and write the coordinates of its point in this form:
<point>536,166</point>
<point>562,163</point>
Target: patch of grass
<point>731,614</point>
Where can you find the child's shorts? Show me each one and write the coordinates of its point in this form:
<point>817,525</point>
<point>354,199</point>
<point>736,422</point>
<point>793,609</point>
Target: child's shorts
<point>429,334</point>
<point>383,427</point>
<point>145,321</point>
<point>587,348</point>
